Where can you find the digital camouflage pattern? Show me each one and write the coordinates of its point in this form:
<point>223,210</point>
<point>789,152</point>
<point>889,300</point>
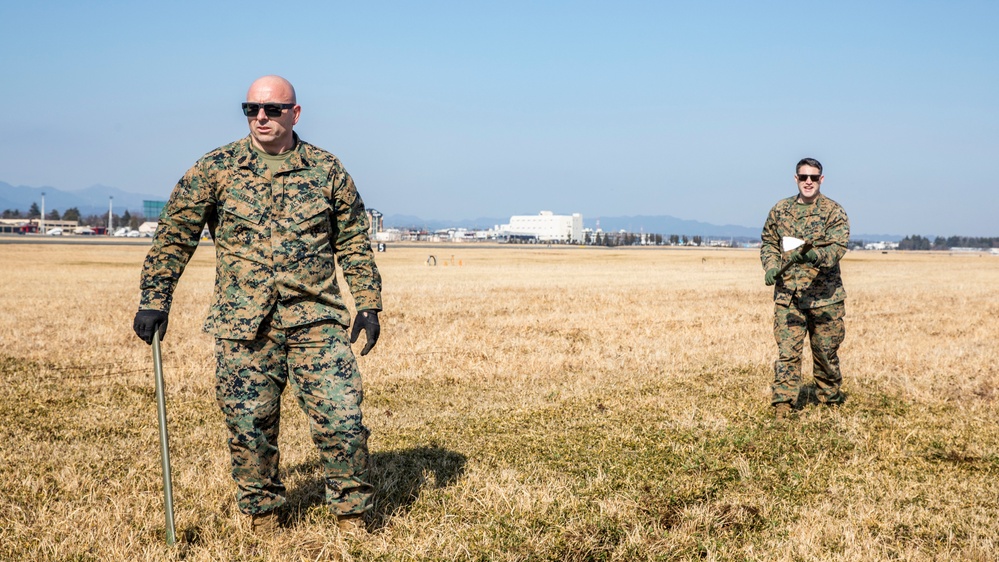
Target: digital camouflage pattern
<point>250,377</point>
<point>276,239</point>
<point>825,224</point>
<point>809,297</point>
<point>277,306</point>
<point>826,330</point>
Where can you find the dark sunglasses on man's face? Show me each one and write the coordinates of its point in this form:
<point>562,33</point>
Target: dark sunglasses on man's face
<point>801,177</point>
<point>270,109</point>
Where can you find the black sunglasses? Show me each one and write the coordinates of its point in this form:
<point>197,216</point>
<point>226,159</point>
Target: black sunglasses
<point>270,109</point>
<point>801,177</point>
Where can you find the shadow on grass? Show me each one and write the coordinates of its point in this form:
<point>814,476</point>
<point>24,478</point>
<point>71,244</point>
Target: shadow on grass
<point>808,397</point>
<point>398,476</point>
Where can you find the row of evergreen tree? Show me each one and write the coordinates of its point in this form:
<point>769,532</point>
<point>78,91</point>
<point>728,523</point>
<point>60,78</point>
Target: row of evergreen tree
<point>631,239</point>
<point>916,242</point>
<point>73,214</point>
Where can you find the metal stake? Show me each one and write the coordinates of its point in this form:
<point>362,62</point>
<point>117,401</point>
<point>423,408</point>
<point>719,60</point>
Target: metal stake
<point>171,536</point>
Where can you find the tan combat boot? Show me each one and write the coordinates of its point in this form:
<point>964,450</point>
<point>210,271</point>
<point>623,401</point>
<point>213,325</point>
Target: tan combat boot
<point>265,524</point>
<point>782,412</point>
<point>350,524</point>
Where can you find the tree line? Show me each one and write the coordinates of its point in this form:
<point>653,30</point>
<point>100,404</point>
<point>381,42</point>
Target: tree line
<point>917,242</point>
<point>73,214</point>
<point>631,239</point>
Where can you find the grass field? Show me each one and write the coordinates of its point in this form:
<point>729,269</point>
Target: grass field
<point>526,403</point>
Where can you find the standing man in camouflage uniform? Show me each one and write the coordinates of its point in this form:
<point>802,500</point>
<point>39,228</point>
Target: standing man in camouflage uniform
<point>809,296</point>
<point>281,212</point>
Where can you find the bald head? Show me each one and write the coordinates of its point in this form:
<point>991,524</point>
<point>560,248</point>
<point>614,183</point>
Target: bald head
<point>273,133</point>
<point>273,88</point>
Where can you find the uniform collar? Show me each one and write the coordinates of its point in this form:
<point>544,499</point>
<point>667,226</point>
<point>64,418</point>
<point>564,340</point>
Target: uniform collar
<point>297,160</point>
<point>817,203</point>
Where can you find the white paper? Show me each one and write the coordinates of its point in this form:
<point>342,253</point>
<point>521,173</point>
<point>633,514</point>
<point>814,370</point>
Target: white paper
<point>789,243</point>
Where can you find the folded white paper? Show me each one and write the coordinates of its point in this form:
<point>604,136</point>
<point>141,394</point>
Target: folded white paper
<point>789,243</point>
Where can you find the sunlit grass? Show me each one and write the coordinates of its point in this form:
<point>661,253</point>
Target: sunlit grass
<point>531,403</point>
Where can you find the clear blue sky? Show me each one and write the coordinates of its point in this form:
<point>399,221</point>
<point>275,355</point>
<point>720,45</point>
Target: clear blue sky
<point>473,109</point>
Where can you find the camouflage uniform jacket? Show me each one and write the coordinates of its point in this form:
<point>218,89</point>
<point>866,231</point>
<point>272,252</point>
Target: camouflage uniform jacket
<point>275,240</point>
<point>826,225</point>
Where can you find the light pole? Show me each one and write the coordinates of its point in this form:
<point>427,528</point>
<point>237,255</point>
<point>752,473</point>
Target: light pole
<point>110,219</point>
<point>41,219</point>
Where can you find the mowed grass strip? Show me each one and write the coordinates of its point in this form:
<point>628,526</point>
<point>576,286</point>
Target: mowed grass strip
<point>527,404</point>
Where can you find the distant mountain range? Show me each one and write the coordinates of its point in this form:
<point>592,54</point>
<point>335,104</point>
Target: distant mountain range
<point>90,201</point>
<point>94,201</point>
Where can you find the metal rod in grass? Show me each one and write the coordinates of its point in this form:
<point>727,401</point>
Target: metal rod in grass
<point>171,536</point>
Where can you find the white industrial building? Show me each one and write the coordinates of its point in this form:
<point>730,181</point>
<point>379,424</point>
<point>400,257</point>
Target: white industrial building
<point>546,226</point>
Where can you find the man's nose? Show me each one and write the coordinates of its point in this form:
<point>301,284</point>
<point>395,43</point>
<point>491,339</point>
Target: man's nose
<point>261,116</point>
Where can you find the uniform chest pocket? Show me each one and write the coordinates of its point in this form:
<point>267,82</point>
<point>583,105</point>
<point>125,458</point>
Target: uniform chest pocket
<point>241,210</point>
<point>310,210</point>
<point>307,232</point>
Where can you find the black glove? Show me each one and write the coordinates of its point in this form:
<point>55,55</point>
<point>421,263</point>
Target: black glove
<point>147,322</point>
<point>368,321</point>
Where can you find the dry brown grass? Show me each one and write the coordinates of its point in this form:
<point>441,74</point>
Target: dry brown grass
<point>530,404</point>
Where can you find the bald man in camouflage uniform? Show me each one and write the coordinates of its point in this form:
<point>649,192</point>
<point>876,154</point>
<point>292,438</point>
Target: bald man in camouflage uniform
<point>809,296</point>
<point>281,212</point>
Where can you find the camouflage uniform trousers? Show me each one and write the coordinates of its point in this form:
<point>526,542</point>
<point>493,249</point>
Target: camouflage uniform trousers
<point>250,377</point>
<point>826,329</point>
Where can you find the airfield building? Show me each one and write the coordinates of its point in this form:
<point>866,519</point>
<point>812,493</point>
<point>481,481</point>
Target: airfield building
<point>153,209</point>
<point>545,227</point>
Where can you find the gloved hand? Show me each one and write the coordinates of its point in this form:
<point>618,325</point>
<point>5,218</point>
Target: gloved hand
<point>366,320</point>
<point>147,322</point>
<point>771,277</point>
<point>809,257</point>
